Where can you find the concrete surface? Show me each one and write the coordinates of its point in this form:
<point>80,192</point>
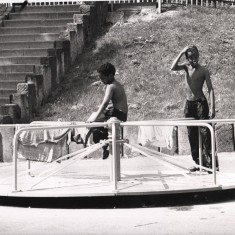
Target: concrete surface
<point>213,218</point>
<point>201,219</point>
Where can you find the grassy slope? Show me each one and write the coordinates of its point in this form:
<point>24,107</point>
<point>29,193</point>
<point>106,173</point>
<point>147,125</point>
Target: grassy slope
<point>142,53</point>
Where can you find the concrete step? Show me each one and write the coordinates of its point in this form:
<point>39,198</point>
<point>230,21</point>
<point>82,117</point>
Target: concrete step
<point>32,30</point>
<point>22,45</point>
<point>10,84</point>
<point>42,15</point>
<point>6,92</point>
<point>17,68</point>
<point>29,37</point>
<point>24,52</point>
<point>33,60</point>
<point>16,76</point>
<point>4,100</point>
<point>54,8</point>
<point>30,23</point>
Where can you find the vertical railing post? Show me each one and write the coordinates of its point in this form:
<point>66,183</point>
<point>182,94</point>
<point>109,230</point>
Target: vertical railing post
<point>213,153</point>
<point>159,6</point>
<point>114,149</point>
<point>200,146</point>
<point>28,166</point>
<point>15,147</point>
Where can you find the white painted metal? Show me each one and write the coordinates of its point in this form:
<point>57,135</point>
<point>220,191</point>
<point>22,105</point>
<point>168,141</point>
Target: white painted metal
<point>18,132</point>
<point>41,2</point>
<point>114,160</point>
<point>167,164</point>
<point>182,123</point>
<point>200,147</point>
<point>173,122</point>
<point>69,162</point>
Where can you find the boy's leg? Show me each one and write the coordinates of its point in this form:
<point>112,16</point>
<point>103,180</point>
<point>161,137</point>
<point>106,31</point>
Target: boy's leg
<point>203,114</point>
<point>207,154</point>
<point>194,143</point>
<point>206,147</point>
<point>101,133</point>
<point>192,134</point>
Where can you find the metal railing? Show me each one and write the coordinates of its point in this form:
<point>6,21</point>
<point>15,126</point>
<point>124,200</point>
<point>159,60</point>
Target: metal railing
<point>43,127</point>
<point>40,2</point>
<point>115,141</point>
<point>185,123</point>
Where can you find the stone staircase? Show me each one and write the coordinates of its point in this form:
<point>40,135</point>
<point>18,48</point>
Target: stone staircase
<point>28,40</point>
<point>38,44</point>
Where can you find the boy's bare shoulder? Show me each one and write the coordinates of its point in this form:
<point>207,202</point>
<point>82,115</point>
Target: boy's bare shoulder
<point>116,84</point>
<point>204,69</point>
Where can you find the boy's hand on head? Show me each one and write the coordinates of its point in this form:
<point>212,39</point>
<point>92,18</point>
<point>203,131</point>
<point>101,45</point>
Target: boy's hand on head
<point>185,49</point>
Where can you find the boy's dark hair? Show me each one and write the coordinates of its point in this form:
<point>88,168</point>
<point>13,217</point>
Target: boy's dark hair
<point>107,69</point>
<point>192,48</point>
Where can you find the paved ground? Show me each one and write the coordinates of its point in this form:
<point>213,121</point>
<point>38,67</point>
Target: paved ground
<point>200,219</point>
<point>214,218</point>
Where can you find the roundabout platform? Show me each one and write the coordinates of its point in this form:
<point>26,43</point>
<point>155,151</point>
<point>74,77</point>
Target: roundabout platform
<point>86,183</point>
<point>145,175</point>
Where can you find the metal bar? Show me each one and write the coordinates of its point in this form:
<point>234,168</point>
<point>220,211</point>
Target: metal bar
<point>97,124</point>
<point>58,159</point>
<point>15,147</point>
<point>152,122</point>
<point>28,169</point>
<point>182,123</point>
<point>161,154</point>
<point>68,163</point>
<point>114,157</point>
<point>18,132</point>
<point>200,147</point>
<point>167,164</point>
<point>159,6</point>
<point>69,155</point>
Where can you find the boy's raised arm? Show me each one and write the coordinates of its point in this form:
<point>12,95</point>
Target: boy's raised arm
<point>104,104</point>
<point>175,66</point>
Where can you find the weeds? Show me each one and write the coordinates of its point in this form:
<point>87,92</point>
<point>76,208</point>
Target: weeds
<point>143,52</point>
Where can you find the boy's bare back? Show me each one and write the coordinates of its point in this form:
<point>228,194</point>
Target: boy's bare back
<point>118,97</point>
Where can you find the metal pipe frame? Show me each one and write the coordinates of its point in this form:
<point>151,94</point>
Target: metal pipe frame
<point>173,122</point>
<point>33,128</point>
<point>114,158</point>
<point>182,123</point>
<point>40,2</point>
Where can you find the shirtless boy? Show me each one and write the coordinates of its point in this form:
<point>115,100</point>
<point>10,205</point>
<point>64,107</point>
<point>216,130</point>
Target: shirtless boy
<point>196,104</point>
<point>114,94</point>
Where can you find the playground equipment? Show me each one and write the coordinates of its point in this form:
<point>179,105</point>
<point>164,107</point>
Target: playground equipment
<point>70,176</point>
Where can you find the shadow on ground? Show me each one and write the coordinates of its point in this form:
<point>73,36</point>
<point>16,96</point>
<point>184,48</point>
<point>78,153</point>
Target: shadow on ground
<point>108,202</point>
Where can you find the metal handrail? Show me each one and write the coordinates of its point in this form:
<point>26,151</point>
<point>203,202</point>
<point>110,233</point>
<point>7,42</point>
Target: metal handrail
<point>182,123</point>
<point>170,122</point>
<point>40,2</point>
<point>18,132</point>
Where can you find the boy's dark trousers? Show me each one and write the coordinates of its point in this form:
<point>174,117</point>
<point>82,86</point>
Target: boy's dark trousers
<point>101,133</point>
<point>199,110</point>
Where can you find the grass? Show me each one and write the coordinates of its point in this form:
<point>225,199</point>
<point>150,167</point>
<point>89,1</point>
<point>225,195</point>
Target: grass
<point>143,51</point>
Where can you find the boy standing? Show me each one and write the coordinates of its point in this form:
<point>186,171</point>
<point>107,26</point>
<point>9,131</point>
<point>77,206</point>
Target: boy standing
<point>196,104</point>
<point>115,94</point>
